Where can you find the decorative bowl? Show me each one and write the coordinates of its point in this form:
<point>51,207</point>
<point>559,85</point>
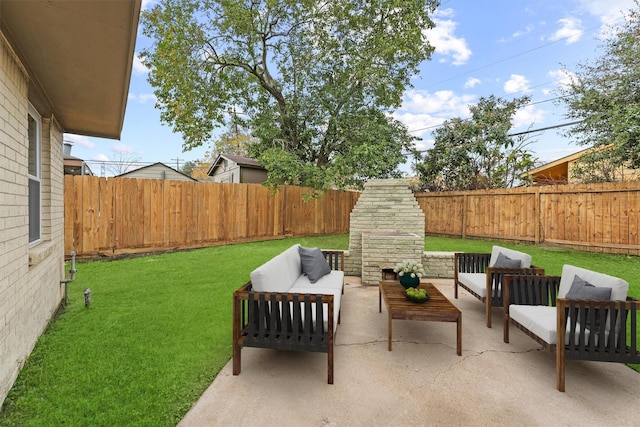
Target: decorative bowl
<point>416,298</point>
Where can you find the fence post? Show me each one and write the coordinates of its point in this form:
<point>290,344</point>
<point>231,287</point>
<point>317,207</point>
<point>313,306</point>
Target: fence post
<point>537,214</point>
<point>464,216</point>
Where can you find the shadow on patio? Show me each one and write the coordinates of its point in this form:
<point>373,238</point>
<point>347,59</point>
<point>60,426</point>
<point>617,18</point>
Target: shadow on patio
<point>421,382</point>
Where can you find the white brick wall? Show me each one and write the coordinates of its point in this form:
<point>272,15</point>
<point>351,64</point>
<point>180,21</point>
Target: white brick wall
<point>385,206</point>
<point>30,290</point>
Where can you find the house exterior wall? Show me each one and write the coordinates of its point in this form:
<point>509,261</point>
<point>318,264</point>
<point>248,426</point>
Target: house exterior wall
<point>227,172</point>
<point>234,173</point>
<point>253,176</point>
<point>30,289</point>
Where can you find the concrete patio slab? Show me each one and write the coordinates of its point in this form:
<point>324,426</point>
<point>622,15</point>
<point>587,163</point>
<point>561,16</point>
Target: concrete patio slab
<point>421,382</point>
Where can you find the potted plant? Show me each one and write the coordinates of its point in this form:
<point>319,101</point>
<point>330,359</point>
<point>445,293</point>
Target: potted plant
<point>409,272</point>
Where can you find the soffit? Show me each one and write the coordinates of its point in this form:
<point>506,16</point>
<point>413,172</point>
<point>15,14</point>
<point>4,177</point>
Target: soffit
<point>79,55</point>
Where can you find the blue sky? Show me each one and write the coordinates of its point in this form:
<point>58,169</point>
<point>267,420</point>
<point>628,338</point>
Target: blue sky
<point>507,48</point>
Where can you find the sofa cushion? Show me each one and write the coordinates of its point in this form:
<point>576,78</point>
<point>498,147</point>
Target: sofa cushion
<point>504,261</point>
<point>619,287</point>
<point>477,282</point>
<point>327,284</point>
<point>525,259</point>
<point>539,319</point>
<point>279,273</point>
<point>314,264</point>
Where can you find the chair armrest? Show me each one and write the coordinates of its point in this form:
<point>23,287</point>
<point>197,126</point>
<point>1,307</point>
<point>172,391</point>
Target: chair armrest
<point>335,258</point>
<point>589,325</point>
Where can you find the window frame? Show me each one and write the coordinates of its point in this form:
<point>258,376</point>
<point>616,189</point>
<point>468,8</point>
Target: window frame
<point>37,178</point>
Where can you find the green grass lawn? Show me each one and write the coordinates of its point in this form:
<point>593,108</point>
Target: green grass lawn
<point>159,330</point>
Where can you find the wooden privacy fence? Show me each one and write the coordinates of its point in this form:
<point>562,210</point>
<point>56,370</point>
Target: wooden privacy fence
<point>596,217</point>
<point>115,215</point>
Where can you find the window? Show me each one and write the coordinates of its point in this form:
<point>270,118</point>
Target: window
<point>35,174</point>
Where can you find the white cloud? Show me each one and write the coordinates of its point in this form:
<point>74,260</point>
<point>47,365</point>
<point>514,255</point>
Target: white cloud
<point>516,83</point>
<point>123,149</point>
<point>471,82</point>
<point>528,116</point>
<point>528,29</point>
<point>142,98</point>
<point>608,11</point>
<point>571,30</point>
<point>422,110</point>
<point>443,102</point>
<point>444,40</point>
<point>79,140</point>
<point>100,158</point>
<point>561,77</point>
<point>138,67</point>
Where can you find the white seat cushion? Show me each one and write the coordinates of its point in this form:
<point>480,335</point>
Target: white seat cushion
<point>477,282</point>
<point>539,319</point>
<point>525,259</point>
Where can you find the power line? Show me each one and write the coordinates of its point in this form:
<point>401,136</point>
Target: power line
<point>545,128</point>
<point>526,132</point>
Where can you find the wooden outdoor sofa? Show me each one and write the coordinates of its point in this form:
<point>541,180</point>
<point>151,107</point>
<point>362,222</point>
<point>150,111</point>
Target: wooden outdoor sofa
<point>481,274</point>
<point>286,306</point>
<point>584,326</point>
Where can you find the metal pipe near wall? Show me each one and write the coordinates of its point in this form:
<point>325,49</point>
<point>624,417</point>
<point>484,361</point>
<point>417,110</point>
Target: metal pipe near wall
<point>72,275</point>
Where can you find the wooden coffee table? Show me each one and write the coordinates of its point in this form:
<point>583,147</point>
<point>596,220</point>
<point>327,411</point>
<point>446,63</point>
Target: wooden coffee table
<point>437,309</point>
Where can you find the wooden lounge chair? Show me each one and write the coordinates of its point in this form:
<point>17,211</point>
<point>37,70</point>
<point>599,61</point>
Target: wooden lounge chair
<point>574,328</point>
<point>481,274</point>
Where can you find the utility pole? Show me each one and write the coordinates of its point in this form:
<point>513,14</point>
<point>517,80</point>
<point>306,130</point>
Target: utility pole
<point>177,163</point>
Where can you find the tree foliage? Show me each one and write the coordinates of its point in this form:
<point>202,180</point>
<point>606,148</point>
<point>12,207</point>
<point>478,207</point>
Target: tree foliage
<point>604,96</point>
<point>477,152</point>
<point>315,79</point>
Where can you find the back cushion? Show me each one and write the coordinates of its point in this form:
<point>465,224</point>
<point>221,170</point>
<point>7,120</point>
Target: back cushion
<point>525,259</point>
<point>279,273</point>
<point>619,287</point>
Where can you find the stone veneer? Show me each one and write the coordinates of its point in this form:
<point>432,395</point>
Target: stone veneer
<point>388,219</point>
<point>438,264</point>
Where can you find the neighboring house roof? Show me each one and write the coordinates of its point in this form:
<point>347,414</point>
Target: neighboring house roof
<point>81,54</point>
<point>555,171</point>
<point>75,166</point>
<point>240,160</point>
<point>140,172</point>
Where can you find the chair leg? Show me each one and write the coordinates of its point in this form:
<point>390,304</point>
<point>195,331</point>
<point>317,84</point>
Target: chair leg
<point>330,365</point>
<point>560,368</point>
<point>236,358</point>
<point>488,308</point>
<point>506,328</point>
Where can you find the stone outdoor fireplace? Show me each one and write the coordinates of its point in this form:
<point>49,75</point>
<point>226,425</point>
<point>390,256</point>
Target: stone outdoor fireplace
<point>386,227</point>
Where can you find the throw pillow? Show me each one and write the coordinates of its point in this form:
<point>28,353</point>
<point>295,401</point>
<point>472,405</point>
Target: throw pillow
<point>583,290</point>
<point>314,265</point>
<point>504,261</point>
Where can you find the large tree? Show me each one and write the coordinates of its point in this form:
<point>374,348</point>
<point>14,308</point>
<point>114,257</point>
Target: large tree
<point>603,95</point>
<point>478,152</point>
<point>315,79</point>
